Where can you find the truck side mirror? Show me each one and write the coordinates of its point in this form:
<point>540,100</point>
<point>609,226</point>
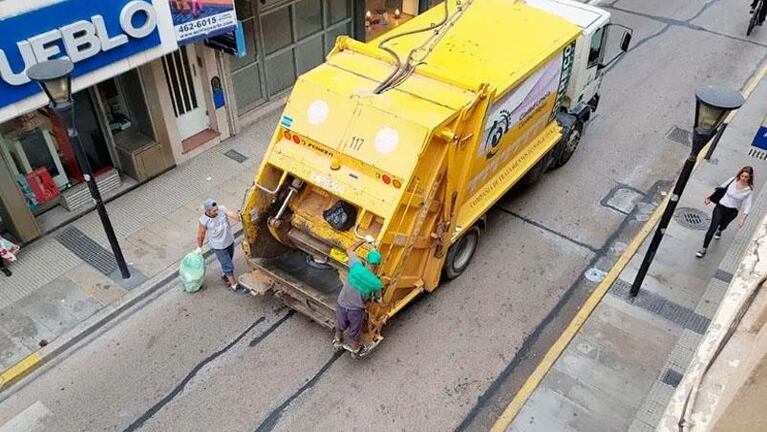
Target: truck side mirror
<point>626,42</point>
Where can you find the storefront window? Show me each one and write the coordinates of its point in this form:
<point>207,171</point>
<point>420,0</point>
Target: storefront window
<point>39,154</point>
<point>126,110</point>
<point>277,30</point>
<point>35,154</point>
<point>308,17</point>
<point>280,72</point>
<point>338,10</point>
<point>309,54</point>
<point>284,39</point>
<point>384,15</point>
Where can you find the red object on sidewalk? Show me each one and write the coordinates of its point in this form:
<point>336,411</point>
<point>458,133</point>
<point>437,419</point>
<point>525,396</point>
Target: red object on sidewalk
<point>42,185</point>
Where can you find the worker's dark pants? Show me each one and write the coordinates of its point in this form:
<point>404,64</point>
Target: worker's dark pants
<point>721,217</point>
<point>350,321</point>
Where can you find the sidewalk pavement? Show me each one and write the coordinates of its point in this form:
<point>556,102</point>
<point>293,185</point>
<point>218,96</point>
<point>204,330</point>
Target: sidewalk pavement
<point>67,279</point>
<point>620,370</point>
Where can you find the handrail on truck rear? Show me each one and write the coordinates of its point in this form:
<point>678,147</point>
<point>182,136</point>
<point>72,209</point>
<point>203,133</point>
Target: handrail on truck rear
<point>279,184</point>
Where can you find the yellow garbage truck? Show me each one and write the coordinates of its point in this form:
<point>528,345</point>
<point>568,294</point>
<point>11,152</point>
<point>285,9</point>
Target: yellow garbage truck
<point>410,139</point>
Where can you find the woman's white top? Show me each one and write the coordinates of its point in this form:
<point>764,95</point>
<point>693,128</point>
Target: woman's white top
<point>735,197</point>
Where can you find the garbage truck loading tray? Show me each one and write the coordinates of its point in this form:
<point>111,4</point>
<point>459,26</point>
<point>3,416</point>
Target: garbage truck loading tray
<point>306,288</point>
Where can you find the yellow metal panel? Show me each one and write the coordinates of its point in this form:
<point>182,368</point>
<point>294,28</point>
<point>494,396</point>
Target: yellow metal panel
<point>498,42</point>
<point>419,86</point>
<point>350,184</point>
<point>347,89</point>
<point>507,175</point>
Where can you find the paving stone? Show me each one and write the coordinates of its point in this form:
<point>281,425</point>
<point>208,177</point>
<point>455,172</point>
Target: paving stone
<point>11,352</point>
<point>709,303</point>
<point>640,426</point>
<point>96,285</point>
<point>598,404</point>
<point>547,410</point>
<point>59,305</point>
<point>23,329</point>
<point>38,264</point>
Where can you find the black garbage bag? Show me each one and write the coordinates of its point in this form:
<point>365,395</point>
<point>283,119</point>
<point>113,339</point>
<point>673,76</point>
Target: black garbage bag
<point>341,216</point>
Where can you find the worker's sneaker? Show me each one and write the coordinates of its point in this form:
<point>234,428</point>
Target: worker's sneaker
<point>361,352</point>
<point>701,253</point>
<point>234,286</point>
<point>718,235</point>
<point>338,344</point>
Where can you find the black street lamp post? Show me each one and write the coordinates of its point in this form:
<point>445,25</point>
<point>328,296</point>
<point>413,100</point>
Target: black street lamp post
<point>54,77</point>
<point>712,105</point>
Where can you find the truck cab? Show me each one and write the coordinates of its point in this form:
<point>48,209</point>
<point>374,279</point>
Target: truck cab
<point>589,53</point>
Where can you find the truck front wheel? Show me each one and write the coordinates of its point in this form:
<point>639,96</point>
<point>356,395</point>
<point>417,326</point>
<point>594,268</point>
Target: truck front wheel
<point>460,253</point>
<point>567,146</point>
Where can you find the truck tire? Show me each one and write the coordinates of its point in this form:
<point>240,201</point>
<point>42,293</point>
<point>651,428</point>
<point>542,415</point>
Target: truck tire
<point>460,254</point>
<point>566,147</point>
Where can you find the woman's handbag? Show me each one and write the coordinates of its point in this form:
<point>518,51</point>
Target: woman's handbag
<point>719,193</point>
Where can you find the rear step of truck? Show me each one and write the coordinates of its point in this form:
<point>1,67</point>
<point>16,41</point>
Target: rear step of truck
<point>302,285</point>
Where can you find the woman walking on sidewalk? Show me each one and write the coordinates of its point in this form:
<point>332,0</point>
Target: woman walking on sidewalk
<point>733,195</point>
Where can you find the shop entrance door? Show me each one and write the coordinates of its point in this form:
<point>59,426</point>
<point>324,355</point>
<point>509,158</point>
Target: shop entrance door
<point>185,91</point>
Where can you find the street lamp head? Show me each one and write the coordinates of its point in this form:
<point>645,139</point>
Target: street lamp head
<point>712,105</point>
<point>55,78</point>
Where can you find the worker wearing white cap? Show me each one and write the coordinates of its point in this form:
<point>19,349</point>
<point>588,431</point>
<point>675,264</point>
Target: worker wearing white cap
<point>216,225</point>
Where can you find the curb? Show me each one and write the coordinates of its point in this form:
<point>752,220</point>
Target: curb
<point>91,325</point>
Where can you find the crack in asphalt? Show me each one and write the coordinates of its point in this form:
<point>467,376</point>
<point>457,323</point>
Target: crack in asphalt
<point>547,229</point>
<point>139,422</point>
<point>271,420</point>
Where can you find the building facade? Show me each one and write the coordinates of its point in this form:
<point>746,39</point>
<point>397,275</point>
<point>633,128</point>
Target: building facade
<point>149,92</point>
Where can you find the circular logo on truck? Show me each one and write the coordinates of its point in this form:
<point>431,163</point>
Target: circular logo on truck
<point>386,140</point>
<point>318,112</point>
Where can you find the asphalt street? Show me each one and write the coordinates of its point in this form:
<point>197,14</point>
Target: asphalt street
<point>220,361</point>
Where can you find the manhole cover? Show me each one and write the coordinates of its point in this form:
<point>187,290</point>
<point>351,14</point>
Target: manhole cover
<point>679,135</point>
<point>691,218</point>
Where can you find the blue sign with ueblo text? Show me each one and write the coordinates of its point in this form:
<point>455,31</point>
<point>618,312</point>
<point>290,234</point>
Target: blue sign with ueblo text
<point>93,34</point>
<point>760,139</point>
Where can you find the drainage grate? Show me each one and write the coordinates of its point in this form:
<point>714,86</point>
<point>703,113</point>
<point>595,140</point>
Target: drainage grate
<point>758,154</point>
<point>87,249</point>
<point>236,156</point>
<point>679,136</point>
<point>692,218</point>
<point>654,303</point>
<point>723,276</point>
<point>672,378</point>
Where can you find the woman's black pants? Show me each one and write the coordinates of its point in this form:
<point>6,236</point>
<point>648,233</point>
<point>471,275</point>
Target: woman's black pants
<point>721,217</point>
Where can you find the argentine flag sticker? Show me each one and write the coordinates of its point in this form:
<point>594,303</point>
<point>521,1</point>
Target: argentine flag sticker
<point>287,121</point>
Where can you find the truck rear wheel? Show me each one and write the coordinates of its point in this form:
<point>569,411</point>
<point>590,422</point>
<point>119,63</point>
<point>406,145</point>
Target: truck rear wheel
<point>460,254</point>
<point>567,146</point>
